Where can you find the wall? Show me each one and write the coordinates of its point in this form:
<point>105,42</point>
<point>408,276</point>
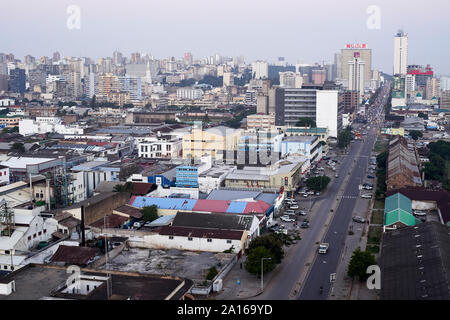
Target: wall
<point>423,205</point>
<point>327,111</point>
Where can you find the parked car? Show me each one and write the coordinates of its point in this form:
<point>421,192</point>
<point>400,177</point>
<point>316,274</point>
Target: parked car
<point>302,213</point>
<point>366,196</point>
<point>420,213</point>
<point>289,212</point>
<point>305,195</point>
<point>370,177</point>
<point>336,175</point>
<point>286,219</point>
<point>294,207</point>
<point>359,219</point>
<point>317,193</point>
<point>304,225</point>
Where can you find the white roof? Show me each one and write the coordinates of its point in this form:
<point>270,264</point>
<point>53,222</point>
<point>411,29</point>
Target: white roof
<point>8,243</point>
<point>22,162</point>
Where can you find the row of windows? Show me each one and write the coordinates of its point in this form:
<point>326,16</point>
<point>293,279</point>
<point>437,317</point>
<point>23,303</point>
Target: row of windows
<point>38,234</point>
<point>2,173</point>
<point>191,239</point>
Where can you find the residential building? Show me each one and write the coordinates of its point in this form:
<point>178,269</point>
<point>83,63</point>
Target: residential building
<point>305,146</point>
<point>160,146</point>
<point>400,53</point>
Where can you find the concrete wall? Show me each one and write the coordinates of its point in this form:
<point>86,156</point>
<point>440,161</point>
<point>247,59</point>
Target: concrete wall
<point>423,205</point>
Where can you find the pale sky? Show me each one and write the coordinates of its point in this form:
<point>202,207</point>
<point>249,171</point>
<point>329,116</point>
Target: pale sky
<point>258,29</point>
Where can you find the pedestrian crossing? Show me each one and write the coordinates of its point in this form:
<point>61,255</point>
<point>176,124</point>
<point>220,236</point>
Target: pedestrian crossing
<point>349,197</point>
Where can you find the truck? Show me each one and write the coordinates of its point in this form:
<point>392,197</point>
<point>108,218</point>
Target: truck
<point>323,247</point>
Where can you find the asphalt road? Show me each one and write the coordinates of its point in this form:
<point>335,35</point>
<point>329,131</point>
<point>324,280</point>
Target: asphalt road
<point>284,281</point>
<point>325,264</point>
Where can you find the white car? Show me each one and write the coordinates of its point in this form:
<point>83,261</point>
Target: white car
<point>289,212</point>
<point>420,213</point>
<point>366,196</point>
<point>294,207</point>
<point>286,219</point>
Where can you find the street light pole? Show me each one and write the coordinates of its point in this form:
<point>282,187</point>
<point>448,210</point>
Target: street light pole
<point>262,272</point>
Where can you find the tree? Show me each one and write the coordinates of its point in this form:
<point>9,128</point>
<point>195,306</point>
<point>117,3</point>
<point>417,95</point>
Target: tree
<point>271,243</point>
<point>150,213</point>
<point>318,183</point>
<point>18,147</point>
<point>212,272</point>
<point>253,262</point>
<point>382,159</point>
<point>306,122</point>
<point>344,138</point>
<point>359,263</point>
<point>127,187</point>
<point>415,134</point>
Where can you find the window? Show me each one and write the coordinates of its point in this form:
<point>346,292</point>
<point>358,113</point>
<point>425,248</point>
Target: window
<point>209,240</point>
<point>29,238</point>
<point>171,237</point>
<point>190,239</point>
<point>34,235</point>
<point>228,241</point>
<point>39,233</point>
<point>45,230</point>
<point>37,195</point>
<point>6,251</point>
<point>1,174</point>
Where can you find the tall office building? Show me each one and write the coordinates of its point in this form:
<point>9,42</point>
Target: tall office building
<point>400,53</point>
<point>117,58</point>
<point>56,56</point>
<point>17,80</point>
<point>336,73</point>
<point>260,70</point>
<point>356,72</point>
<point>290,80</point>
<point>348,55</point>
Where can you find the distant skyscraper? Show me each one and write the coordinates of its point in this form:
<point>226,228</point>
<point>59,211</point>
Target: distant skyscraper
<point>56,56</point>
<point>290,80</point>
<point>228,79</point>
<point>356,71</point>
<point>260,70</point>
<point>117,58</point>
<point>400,53</point>
<point>136,57</point>
<point>17,80</point>
<point>347,59</point>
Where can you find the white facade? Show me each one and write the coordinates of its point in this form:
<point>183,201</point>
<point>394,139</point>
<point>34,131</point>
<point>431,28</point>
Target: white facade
<point>195,244</point>
<point>190,94</point>
<point>356,78</point>
<point>400,53</point>
<point>290,79</point>
<point>4,176</point>
<point>44,125</point>
<point>327,111</point>
<point>155,147</point>
<point>260,70</point>
<point>410,82</point>
<point>228,79</point>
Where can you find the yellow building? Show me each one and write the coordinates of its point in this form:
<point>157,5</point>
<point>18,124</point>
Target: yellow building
<point>213,141</point>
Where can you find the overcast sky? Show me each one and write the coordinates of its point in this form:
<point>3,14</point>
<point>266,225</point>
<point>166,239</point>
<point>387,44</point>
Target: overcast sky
<point>258,29</point>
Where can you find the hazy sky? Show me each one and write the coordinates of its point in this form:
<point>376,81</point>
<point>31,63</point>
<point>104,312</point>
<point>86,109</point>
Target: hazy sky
<point>311,31</point>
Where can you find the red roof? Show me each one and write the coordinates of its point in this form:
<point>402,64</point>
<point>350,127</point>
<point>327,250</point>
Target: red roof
<point>112,221</point>
<point>257,207</point>
<point>74,254</point>
<point>211,205</point>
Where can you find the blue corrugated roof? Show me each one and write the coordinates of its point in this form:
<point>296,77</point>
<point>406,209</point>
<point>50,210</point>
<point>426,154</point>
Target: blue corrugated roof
<point>165,203</point>
<point>236,207</point>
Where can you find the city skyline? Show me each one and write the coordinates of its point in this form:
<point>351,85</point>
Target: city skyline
<point>238,29</point>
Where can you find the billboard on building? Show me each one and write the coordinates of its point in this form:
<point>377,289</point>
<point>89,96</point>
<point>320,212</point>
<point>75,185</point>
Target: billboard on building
<point>393,131</point>
<point>398,90</point>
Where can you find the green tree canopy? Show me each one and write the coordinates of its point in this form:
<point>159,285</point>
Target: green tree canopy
<point>318,183</point>
<point>415,135</point>
<point>359,263</point>
<point>127,187</point>
<point>18,147</point>
<point>344,138</point>
<point>253,262</point>
<point>306,122</point>
<point>382,159</point>
<point>271,243</point>
<point>150,213</point>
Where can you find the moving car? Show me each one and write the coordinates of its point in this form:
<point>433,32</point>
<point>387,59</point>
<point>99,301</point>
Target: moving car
<point>323,248</point>
<point>359,219</point>
<point>305,225</point>
<point>302,213</point>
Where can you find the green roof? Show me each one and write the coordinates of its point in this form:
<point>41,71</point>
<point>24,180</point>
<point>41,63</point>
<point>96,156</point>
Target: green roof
<point>398,201</point>
<point>398,208</point>
<point>309,130</point>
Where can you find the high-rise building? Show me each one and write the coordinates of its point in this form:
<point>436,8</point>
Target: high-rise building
<point>228,79</point>
<point>400,53</point>
<point>260,70</point>
<point>445,83</point>
<point>356,72</point>
<point>410,83</point>
<point>433,88</point>
<point>364,56</point>
<point>135,58</point>
<point>17,80</point>
<point>132,85</point>
<point>290,79</point>
<point>56,56</point>
<point>318,76</point>
<point>3,82</point>
<point>336,74</point>
<point>117,58</point>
